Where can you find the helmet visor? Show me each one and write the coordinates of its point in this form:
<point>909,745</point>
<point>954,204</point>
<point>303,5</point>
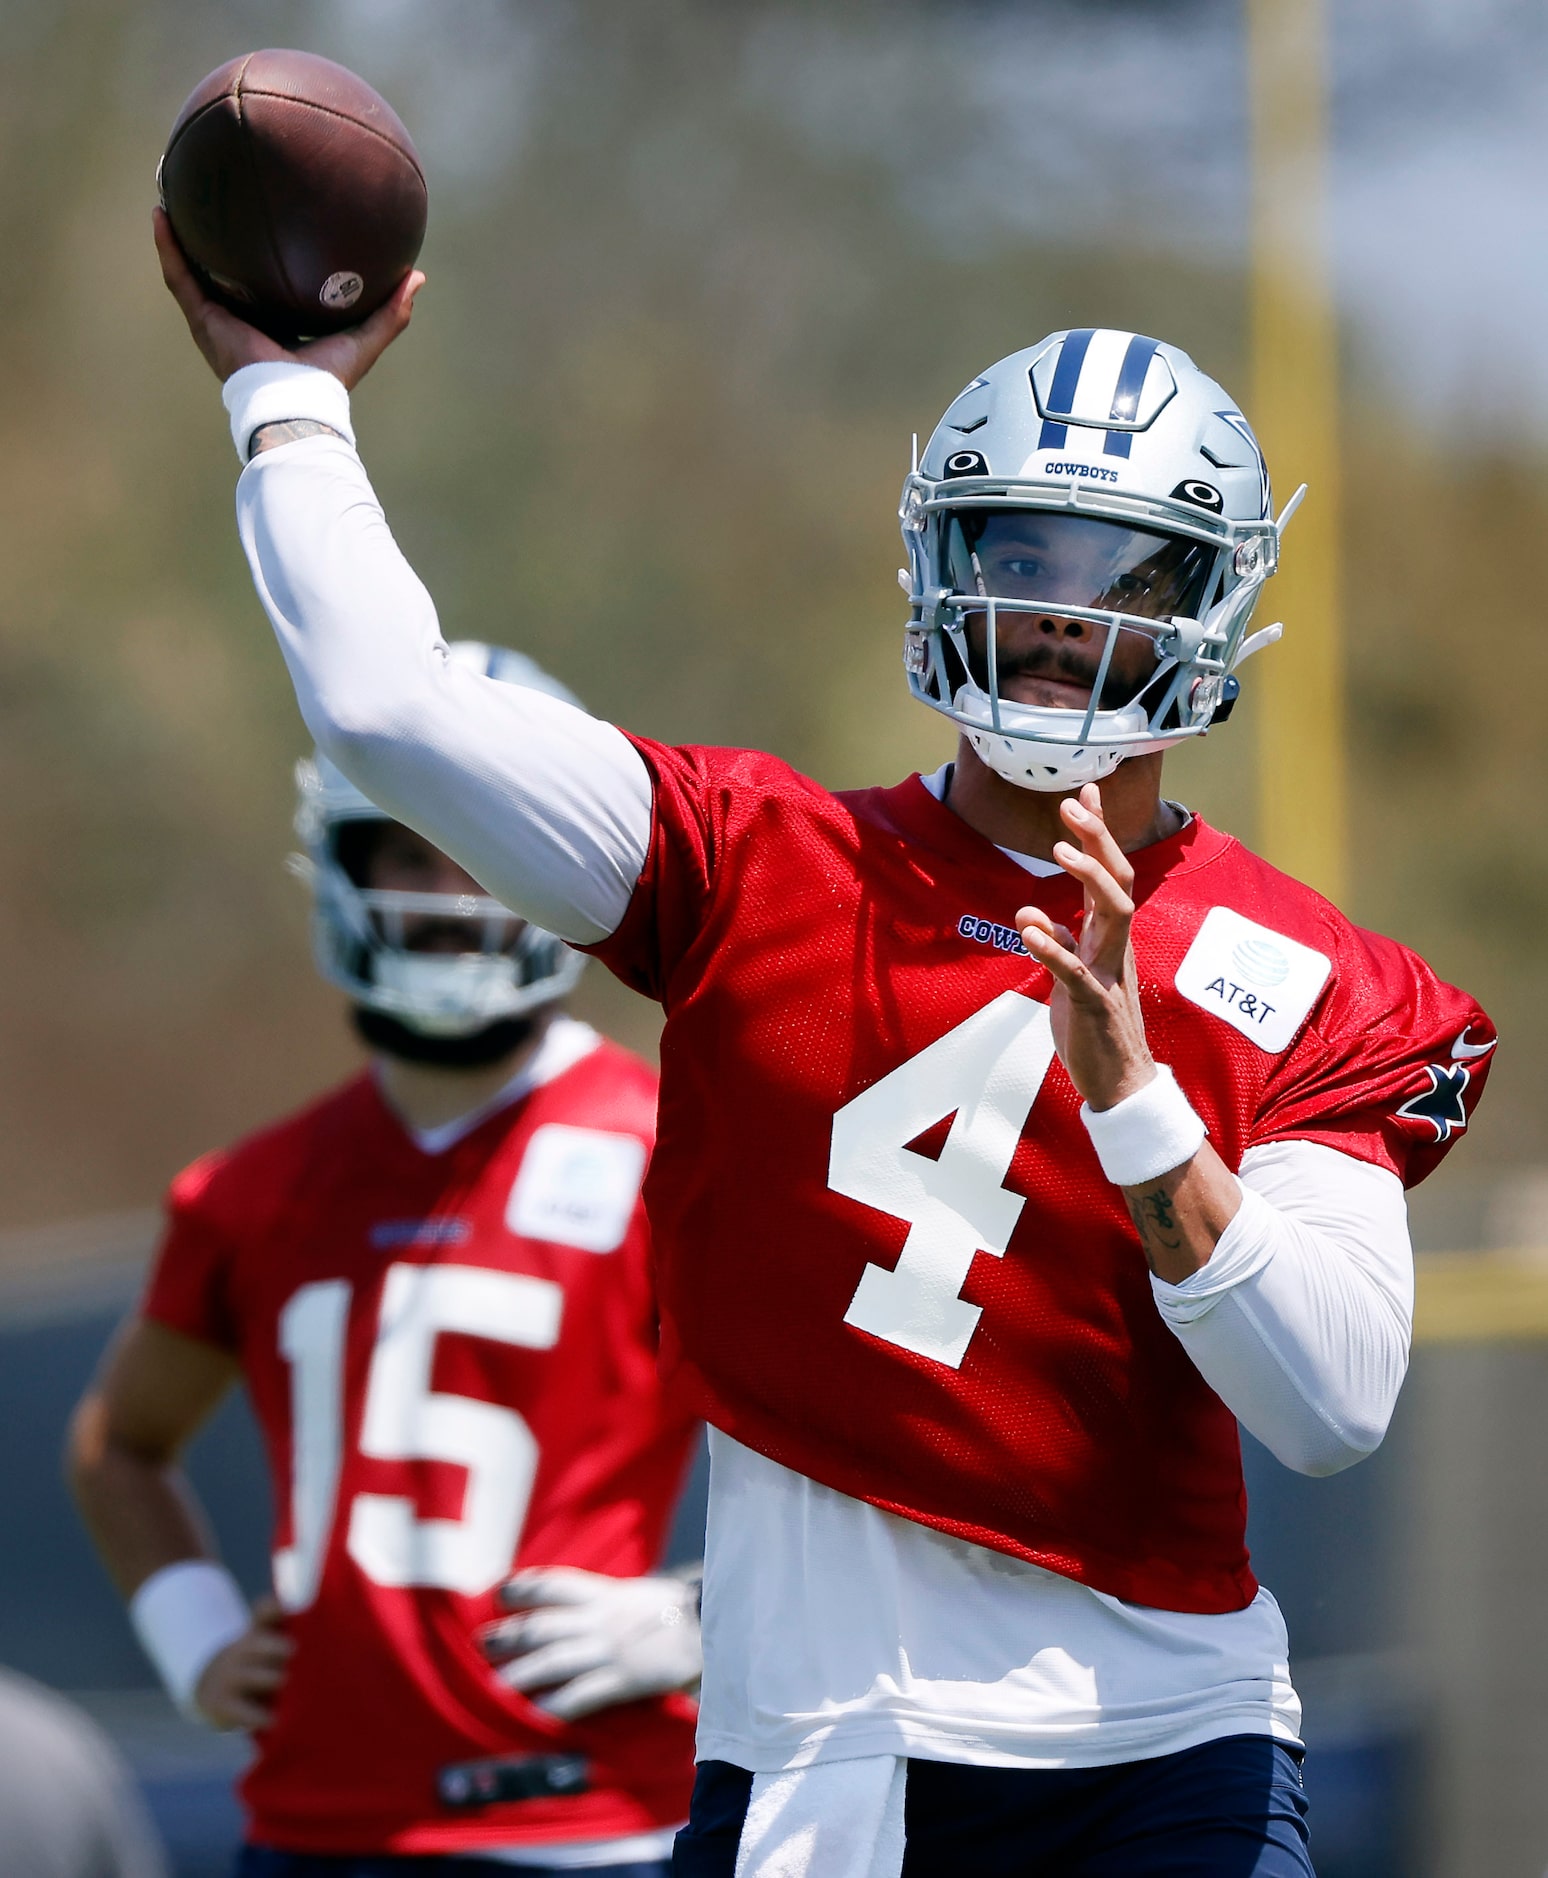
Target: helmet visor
<point>433,922</point>
<point>1077,561</point>
<point>443,925</point>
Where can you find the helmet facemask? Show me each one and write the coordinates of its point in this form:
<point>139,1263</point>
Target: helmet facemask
<point>441,965</point>
<point>1063,641</point>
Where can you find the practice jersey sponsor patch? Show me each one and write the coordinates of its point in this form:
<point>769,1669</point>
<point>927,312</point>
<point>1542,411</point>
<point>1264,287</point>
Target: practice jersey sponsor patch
<point>1253,978</point>
<point>577,1186</point>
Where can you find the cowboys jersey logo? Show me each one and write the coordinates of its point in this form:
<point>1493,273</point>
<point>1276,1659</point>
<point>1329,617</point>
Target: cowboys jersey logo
<point>1440,1102</point>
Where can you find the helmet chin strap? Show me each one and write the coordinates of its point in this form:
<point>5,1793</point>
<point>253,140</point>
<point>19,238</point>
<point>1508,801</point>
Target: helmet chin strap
<point>1049,763</point>
<point>1041,770</point>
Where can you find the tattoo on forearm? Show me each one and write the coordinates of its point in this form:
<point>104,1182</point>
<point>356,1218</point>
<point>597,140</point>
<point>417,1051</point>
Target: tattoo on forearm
<point>1155,1219</point>
<point>288,430</point>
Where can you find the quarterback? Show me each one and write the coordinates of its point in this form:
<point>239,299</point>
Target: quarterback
<point>1019,1132</point>
<point>435,1283</point>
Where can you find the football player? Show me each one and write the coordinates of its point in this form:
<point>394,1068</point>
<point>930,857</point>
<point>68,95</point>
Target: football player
<point>434,1282</point>
<point>1019,1131</point>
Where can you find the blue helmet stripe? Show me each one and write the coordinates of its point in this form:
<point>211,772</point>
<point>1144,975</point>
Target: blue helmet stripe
<point>1061,393</point>
<point>1131,380</point>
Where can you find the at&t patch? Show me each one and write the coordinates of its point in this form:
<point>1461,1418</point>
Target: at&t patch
<point>577,1186</point>
<point>1254,979</point>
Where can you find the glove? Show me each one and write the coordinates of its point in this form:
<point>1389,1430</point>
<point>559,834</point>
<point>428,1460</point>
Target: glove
<point>590,1641</point>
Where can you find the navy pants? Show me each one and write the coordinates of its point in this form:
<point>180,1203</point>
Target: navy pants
<point>1229,1809</point>
<point>264,1861</point>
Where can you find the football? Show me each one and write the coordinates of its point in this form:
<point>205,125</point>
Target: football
<point>295,192</point>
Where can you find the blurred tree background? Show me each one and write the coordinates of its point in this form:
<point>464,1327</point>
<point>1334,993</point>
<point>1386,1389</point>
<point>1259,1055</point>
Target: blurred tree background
<point>696,272</point>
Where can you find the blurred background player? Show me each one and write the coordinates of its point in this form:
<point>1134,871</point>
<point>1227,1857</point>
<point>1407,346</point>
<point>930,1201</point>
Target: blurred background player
<point>68,1804</point>
<point>434,1282</point>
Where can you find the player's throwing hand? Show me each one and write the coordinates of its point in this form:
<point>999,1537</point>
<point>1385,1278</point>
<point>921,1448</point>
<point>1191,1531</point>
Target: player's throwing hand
<point>1098,1029</point>
<point>229,343</point>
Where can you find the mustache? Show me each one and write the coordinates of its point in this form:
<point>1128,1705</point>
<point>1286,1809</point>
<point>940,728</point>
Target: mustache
<point>1070,664</point>
<point>1062,662</point>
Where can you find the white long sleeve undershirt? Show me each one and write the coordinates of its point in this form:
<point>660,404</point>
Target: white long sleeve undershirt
<point>545,805</point>
<point>1300,1321</point>
<point>1302,1318</point>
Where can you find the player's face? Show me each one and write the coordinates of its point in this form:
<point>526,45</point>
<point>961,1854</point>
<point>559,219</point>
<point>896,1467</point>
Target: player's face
<point>1049,658</point>
<point>393,859</point>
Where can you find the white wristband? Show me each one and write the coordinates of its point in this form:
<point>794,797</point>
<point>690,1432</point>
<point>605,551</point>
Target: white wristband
<point>276,390</point>
<point>184,1615</point>
<point>1147,1134</point>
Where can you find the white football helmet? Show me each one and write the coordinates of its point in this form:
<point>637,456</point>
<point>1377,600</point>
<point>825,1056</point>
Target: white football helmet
<point>1100,482</point>
<point>360,935</point>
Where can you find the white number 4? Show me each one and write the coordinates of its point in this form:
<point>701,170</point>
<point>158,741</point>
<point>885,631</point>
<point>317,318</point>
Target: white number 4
<point>405,1420</point>
<point>985,1074</point>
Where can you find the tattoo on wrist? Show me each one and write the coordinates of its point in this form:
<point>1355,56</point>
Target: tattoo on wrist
<point>1153,1211</point>
<point>287,430</point>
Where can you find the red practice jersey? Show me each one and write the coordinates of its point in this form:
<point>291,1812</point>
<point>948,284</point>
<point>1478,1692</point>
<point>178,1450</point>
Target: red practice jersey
<point>452,1358</point>
<point>887,1255</point>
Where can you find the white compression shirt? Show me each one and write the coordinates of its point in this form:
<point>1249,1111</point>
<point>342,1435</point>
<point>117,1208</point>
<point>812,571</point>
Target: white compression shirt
<point>1300,1321</point>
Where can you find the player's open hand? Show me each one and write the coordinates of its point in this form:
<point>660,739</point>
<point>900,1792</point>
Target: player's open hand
<point>1098,1029</point>
<point>588,1641</point>
<point>241,1683</point>
<point>229,343</point>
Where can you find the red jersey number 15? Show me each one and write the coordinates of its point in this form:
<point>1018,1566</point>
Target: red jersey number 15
<point>405,1420</point>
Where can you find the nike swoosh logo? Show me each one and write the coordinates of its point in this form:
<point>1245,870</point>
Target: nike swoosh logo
<point>1462,1048</point>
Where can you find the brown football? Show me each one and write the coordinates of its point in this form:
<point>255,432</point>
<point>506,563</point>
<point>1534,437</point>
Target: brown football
<point>295,192</point>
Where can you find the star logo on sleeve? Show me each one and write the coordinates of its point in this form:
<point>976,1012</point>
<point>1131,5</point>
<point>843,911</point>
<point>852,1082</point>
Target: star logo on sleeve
<point>1440,1102</point>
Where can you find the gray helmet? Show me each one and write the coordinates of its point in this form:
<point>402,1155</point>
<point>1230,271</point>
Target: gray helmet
<point>1144,466</point>
<point>358,933</point>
